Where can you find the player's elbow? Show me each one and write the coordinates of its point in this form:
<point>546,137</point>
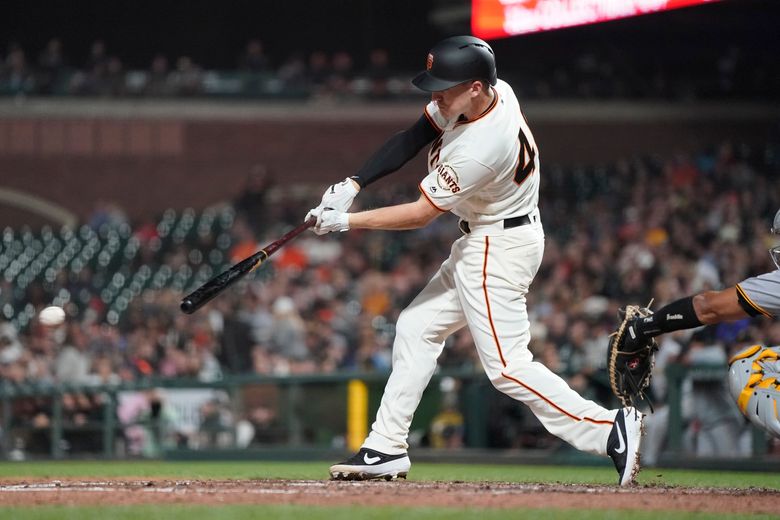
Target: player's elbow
<point>709,309</point>
<point>423,213</point>
<point>425,219</point>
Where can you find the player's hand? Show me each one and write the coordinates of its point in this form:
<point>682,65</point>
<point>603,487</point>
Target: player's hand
<point>338,196</point>
<point>329,219</point>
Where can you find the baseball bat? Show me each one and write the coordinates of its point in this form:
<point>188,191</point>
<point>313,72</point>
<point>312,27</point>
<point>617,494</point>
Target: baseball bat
<point>209,290</point>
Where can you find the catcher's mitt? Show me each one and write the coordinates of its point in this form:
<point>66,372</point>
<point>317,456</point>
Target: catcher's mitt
<point>630,363</point>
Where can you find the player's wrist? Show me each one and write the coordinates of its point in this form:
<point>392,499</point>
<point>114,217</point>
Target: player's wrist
<point>354,183</point>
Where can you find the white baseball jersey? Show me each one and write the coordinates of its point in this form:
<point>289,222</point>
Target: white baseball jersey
<point>487,169</point>
<point>484,170</point>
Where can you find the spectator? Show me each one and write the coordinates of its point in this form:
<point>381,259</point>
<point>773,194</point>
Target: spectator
<point>252,202</point>
<point>11,350</point>
<point>318,73</point>
<point>51,67</point>
<point>16,77</point>
<point>73,362</point>
<point>186,80</point>
<point>378,74</point>
<point>340,81</point>
<point>292,72</point>
<point>103,372</point>
<point>254,59</point>
<point>91,78</point>
<point>158,81</point>
<point>113,84</point>
<point>287,332</point>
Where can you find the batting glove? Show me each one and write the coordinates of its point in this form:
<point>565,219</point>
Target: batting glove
<point>329,219</point>
<point>338,196</point>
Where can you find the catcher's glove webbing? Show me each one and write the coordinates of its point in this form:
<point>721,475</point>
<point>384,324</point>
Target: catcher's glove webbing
<point>630,368</point>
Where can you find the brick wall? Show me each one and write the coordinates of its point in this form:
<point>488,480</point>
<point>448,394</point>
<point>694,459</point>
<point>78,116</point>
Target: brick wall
<point>149,163</point>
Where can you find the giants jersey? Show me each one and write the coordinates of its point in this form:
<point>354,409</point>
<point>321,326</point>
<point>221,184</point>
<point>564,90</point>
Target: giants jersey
<point>487,169</point>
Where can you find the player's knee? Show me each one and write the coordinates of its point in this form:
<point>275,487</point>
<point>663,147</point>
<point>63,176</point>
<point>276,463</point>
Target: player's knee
<point>408,328</point>
<point>405,324</point>
<point>498,380</point>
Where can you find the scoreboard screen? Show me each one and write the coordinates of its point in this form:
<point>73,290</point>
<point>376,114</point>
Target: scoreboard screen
<point>491,19</point>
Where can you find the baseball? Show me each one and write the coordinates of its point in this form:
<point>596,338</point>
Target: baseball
<point>52,316</point>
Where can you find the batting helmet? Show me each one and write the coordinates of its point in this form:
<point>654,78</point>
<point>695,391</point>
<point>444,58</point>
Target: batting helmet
<point>456,60</point>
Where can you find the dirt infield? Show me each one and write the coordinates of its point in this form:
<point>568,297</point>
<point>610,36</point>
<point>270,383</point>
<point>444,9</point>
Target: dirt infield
<point>379,493</point>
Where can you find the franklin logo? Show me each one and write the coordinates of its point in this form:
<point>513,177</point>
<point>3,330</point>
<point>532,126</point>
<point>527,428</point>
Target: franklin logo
<point>429,62</point>
<point>674,316</point>
<point>447,178</point>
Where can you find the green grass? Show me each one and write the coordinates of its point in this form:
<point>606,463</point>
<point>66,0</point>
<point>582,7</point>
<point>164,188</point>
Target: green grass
<point>318,470</point>
<point>292,512</point>
<point>420,471</point>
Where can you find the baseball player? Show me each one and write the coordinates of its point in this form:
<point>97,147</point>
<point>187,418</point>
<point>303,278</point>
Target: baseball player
<point>759,295</point>
<point>483,165</point>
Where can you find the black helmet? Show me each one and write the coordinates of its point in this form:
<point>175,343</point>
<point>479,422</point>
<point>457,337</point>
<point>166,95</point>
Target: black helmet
<point>456,60</point>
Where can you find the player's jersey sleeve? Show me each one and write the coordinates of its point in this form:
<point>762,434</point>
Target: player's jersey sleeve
<point>761,294</point>
<point>450,183</point>
<point>435,117</point>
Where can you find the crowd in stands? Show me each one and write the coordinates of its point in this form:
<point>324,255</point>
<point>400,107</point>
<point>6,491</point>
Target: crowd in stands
<point>104,74</point>
<point>621,233</point>
<point>593,71</point>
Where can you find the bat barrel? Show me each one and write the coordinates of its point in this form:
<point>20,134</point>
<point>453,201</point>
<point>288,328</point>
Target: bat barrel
<point>206,292</point>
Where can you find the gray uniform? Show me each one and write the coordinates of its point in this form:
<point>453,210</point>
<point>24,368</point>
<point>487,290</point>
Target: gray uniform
<point>761,294</point>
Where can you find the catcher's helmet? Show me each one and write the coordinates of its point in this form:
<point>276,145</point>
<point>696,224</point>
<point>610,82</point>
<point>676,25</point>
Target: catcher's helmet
<point>456,60</point>
<point>775,251</point>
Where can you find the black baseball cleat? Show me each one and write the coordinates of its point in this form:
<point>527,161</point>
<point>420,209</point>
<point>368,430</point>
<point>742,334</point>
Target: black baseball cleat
<point>369,464</point>
<point>623,444</point>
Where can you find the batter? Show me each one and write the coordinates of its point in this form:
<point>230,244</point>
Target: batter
<point>483,166</point>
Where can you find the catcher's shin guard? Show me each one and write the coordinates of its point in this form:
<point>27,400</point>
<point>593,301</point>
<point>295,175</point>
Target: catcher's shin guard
<point>754,383</point>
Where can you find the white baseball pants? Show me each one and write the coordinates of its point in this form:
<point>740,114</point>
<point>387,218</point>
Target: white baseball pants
<point>483,285</point>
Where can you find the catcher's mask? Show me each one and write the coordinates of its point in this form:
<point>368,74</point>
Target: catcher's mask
<point>775,251</point>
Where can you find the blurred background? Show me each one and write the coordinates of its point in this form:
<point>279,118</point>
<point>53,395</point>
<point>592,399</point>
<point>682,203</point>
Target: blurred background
<point>144,148</point>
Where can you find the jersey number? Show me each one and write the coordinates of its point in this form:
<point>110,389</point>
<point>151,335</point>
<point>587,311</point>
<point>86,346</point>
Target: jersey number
<point>527,160</point>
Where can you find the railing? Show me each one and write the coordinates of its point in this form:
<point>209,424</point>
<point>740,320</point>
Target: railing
<point>312,408</point>
<point>291,403</point>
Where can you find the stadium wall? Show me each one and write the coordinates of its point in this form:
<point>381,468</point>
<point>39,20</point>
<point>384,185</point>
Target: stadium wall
<point>151,155</point>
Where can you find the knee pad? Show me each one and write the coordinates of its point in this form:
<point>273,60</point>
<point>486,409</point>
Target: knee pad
<point>754,383</point>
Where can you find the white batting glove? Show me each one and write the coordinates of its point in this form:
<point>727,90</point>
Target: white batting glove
<point>338,196</point>
<point>329,220</point>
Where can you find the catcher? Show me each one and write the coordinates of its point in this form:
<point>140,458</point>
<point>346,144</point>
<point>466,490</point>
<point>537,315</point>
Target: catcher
<point>631,347</point>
